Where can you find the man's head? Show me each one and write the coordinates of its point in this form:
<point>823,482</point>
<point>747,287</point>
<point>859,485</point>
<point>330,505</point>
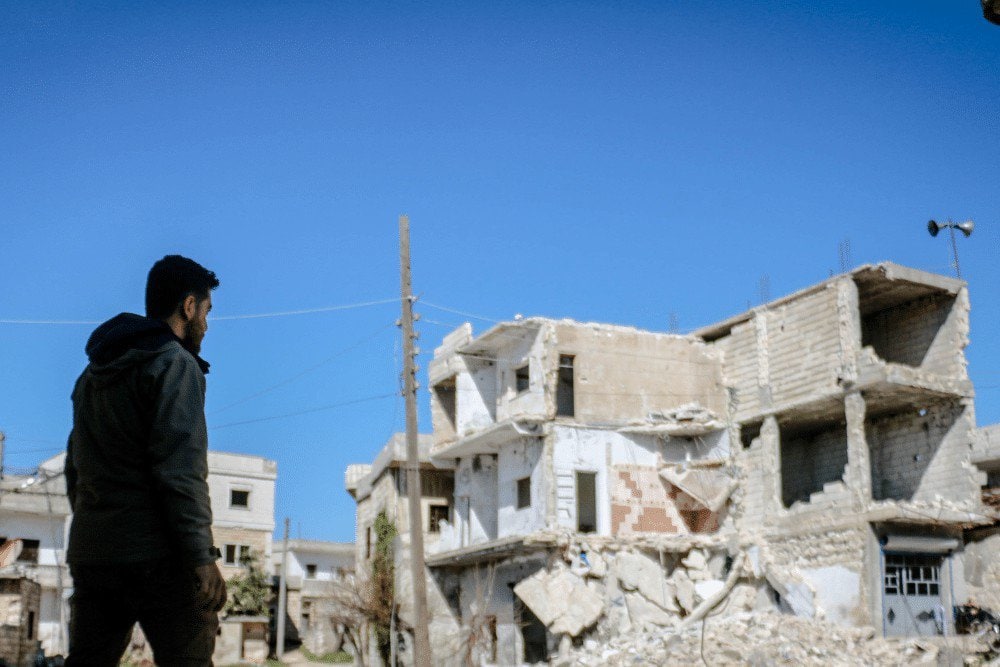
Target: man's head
<point>178,291</point>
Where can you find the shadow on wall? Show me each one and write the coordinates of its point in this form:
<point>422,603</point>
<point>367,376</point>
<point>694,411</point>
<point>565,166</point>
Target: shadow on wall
<point>903,447</point>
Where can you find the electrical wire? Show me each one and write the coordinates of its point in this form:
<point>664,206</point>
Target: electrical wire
<point>458,312</point>
<point>224,318</point>
<point>303,372</point>
<point>303,412</point>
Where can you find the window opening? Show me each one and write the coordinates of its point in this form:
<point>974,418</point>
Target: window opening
<point>236,554</point>
<point>239,498</point>
<point>523,492</point>
<point>310,570</point>
<point>447,396</point>
<point>564,387</point>
<point>586,502</point>
<point>522,379</point>
<point>438,513</point>
<point>29,551</point>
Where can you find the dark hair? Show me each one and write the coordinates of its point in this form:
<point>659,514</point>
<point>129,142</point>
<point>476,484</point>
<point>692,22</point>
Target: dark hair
<point>173,279</point>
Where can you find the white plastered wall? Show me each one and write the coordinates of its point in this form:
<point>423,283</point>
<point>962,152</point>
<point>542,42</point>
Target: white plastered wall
<point>515,461</point>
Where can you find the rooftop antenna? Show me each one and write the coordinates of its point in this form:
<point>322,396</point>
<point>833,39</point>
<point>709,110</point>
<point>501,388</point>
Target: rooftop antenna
<point>965,227</point>
<point>844,250</point>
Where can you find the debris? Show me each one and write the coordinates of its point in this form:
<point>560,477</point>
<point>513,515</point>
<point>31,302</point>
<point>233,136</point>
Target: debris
<point>637,572</point>
<point>561,600</point>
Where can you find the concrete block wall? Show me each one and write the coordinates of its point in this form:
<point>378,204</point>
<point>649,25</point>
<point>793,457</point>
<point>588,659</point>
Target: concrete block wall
<point>926,333</point>
<point>810,460</point>
<point>918,458</point>
<point>803,346</point>
<point>623,374</point>
<point>739,351</point>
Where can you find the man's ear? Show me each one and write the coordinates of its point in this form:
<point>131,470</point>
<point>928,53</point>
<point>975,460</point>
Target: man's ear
<point>189,307</point>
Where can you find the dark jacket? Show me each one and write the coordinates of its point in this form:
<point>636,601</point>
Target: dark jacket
<point>137,459</point>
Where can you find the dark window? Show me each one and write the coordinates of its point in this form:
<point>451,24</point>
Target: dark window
<point>368,541</point>
<point>236,554</point>
<point>564,387</point>
<point>447,397</point>
<point>29,553</point>
<point>586,502</point>
<point>238,498</point>
<point>31,625</point>
<point>523,492</point>
<point>310,570</point>
<point>438,513</point>
<point>522,379</point>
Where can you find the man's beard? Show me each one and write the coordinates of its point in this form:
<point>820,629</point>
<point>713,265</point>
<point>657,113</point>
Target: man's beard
<point>193,335</point>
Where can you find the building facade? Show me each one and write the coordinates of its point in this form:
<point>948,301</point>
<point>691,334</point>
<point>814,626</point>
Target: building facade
<point>817,456</point>
<point>34,509</point>
<point>315,571</point>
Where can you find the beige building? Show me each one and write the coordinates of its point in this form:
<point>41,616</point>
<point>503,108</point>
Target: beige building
<point>815,456</point>
<point>242,491</point>
<point>381,487</point>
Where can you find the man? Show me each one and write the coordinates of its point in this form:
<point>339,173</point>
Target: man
<point>140,544</point>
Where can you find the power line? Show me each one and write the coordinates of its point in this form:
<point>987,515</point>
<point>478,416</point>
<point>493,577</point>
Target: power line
<point>306,371</point>
<point>458,312</point>
<point>222,318</point>
<point>303,412</point>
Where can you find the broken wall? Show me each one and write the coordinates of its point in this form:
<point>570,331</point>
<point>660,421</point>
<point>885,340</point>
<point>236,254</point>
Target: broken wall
<point>918,457</point>
<point>624,374</point>
<point>515,461</point>
<point>487,595</point>
<point>476,501</point>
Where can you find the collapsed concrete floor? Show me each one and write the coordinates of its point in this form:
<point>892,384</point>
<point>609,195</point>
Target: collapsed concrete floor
<point>710,601</point>
<point>767,638</point>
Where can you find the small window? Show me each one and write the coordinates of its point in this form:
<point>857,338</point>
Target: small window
<point>236,554</point>
<point>586,502</point>
<point>565,402</point>
<point>310,570</point>
<point>31,625</point>
<point>29,552</point>
<point>438,513</point>
<point>368,541</point>
<point>239,498</point>
<point>522,379</point>
<point>523,492</point>
<point>447,397</point>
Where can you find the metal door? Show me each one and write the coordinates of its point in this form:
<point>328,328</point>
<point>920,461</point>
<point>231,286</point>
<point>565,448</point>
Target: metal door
<point>912,595</point>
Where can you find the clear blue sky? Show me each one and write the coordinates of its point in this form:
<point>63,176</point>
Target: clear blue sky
<point>615,162</point>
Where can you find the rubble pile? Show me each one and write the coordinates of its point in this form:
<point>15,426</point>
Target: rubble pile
<point>753,638</point>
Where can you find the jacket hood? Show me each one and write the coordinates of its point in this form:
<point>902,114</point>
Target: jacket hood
<point>127,338</point>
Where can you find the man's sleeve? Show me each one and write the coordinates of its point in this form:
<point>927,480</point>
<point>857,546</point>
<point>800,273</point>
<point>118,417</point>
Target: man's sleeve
<point>178,451</point>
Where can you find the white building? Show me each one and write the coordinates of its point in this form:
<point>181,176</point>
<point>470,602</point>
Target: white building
<point>34,508</point>
<point>314,570</point>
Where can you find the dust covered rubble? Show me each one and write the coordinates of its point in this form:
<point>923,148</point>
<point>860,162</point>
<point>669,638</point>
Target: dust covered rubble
<point>753,638</point>
<point>621,605</point>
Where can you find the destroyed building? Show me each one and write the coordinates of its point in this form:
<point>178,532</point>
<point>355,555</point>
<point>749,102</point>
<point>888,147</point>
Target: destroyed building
<point>379,488</point>
<point>816,456</point>
<point>314,570</point>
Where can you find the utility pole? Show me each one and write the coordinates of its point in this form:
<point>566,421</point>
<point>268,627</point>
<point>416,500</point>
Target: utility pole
<point>279,641</point>
<point>421,635</point>
<point>3,439</point>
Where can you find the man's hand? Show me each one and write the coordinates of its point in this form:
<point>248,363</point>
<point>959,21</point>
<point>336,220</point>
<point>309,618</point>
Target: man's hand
<point>211,586</point>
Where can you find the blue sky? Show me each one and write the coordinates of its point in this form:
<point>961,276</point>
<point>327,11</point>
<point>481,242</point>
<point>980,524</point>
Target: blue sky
<point>619,162</point>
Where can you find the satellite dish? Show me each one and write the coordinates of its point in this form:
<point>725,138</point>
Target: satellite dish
<point>9,551</point>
